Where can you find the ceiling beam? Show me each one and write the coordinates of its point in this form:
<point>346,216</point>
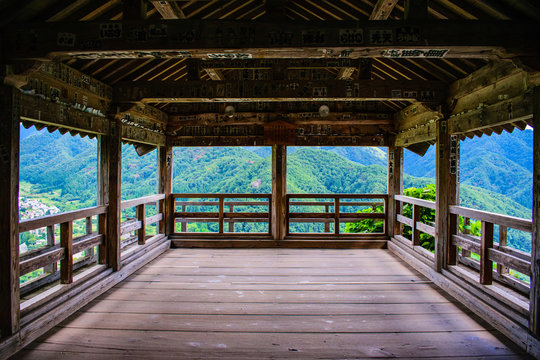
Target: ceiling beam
<point>416,10</point>
<point>169,10</point>
<point>273,39</point>
<point>263,90</point>
<point>383,9</point>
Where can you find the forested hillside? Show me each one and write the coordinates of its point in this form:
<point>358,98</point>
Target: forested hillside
<point>62,170</point>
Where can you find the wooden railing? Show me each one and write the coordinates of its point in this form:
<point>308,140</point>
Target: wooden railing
<point>225,214</point>
<point>332,206</point>
<point>415,223</point>
<point>140,222</point>
<point>47,256</point>
<point>489,251</point>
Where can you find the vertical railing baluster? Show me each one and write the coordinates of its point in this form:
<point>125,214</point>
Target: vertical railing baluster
<point>336,215</point>
<point>415,218</point>
<point>398,208</point>
<point>102,229</point>
<point>221,214</point>
<point>466,223</point>
<point>51,268</point>
<point>501,269</point>
<point>326,221</point>
<point>89,252</point>
<point>486,265</point>
<point>66,242</point>
<point>141,216</point>
<point>231,221</point>
<point>184,223</point>
<point>161,209</point>
<point>452,249</point>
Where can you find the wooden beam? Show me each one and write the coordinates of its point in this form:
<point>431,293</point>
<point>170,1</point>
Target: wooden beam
<point>66,242</point>
<point>9,216</point>
<point>395,187</point>
<point>442,166</point>
<point>485,118</point>
<point>169,10</point>
<point>113,215</point>
<point>383,9</point>
<point>215,74</point>
<point>489,85</point>
<point>416,10</point>
<point>414,116</point>
<point>534,317</point>
<point>205,39</point>
<point>37,110</point>
<point>279,192</point>
<point>165,162</point>
<point>292,64</point>
<point>305,118</point>
<point>241,91</point>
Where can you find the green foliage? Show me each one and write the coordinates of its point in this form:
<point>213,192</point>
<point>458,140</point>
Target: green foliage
<point>368,226</point>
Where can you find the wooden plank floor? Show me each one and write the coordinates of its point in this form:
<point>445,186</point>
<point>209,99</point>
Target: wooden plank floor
<point>273,303</point>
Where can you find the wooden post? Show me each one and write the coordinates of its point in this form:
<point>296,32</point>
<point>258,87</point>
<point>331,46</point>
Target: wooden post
<point>89,252</point>
<point>114,216</point>
<point>279,191</point>
<point>326,223</point>
<point>534,319</point>
<point>415,218</point>
<point>9,216</point>
<point>102,249</point>
<point>231,221</point>
<point>501,269</point>
<point>66,242</point>
<point>336,215</point>
<point>165,166</point>
<point>453,199</point>
<point>221,215</point>
<point>486,265</point>
<point>395,187</point>
<point>442,165</point>
<point>51,268</point>
<point>141,216</point>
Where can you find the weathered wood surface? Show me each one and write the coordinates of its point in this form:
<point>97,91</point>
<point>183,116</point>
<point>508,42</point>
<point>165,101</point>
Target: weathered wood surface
<point>114,164</point>
<point>207,39</point>
<point>278,226</point>
<point>301,90</point>
<point>272,314</point>
<point>9,216</point>
<point>534,319</point>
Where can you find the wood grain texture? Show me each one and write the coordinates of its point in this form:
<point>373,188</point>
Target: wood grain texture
<point>534,319</point>
<point>273,303</point>
<point>9,216</point>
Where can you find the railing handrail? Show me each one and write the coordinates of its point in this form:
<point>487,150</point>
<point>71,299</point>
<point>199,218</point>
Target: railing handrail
<point>504,220</point>
<point>48,220</point>
<point>415,201</point>
<point>221,195</point>
<point>333,196</point>
<point>142,200</point>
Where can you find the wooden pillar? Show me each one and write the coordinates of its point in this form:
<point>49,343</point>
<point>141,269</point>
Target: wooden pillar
<point>534,319</point>
<point>279,191</point>
<point>165,165</point>
<point>113,164</point>
<point>453,199</point>
<point>395,187</point>
<point>9,216</point>
<point>442,180</point>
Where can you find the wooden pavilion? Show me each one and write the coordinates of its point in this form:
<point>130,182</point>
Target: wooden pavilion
<point>159,74</point>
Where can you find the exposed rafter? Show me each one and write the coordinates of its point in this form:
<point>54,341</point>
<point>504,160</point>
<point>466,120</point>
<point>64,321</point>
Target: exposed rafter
<point>383,9</point>
<point>169,10</point>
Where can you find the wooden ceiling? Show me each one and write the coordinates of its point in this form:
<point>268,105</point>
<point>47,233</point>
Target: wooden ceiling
<point>116,70</point>
<point>120,71</point>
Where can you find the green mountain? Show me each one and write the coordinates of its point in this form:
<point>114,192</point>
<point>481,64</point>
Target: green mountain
<point>65,166</point>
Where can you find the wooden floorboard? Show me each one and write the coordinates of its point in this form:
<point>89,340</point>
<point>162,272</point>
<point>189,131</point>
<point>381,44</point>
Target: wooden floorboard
<point>273,303</point>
